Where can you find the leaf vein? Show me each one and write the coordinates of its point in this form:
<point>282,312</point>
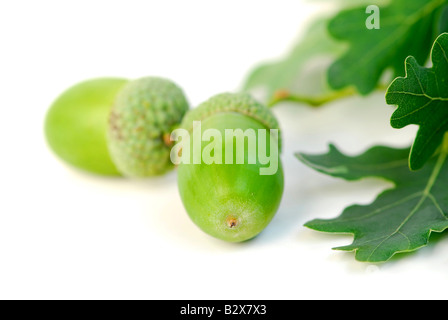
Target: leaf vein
<point>419,95</point>
<point>407,238</point>
<point>425,195</point>
<point>436,204</point>
<point>414,111</point>
<point>382,209</point>
<point>443,51</point>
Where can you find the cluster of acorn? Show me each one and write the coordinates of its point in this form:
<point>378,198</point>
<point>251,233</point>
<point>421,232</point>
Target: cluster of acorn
<point>114,126</point>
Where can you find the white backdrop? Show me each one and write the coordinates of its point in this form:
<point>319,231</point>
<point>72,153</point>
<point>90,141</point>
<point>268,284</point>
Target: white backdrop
<point>65,234</point>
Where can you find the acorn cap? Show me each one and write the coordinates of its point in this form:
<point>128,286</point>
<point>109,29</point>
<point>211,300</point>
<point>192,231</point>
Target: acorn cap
<point>143,115</point>
<point>242,103</point>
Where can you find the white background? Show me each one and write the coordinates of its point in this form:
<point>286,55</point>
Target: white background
<point>65,234</point>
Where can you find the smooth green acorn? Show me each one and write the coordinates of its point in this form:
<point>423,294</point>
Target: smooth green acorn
<point>229,199</point>
<point>76,124</point>
<point>142,118</point>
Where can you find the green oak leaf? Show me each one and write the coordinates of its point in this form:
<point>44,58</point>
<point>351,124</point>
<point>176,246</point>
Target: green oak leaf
<point>293,76</point>
<point>401,219</point>
<point>422,99</point>
<point>406,28</point>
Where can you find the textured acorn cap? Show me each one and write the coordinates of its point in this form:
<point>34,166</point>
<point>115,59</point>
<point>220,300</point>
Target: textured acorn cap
<point>242,103</point>
<point>140,123</point>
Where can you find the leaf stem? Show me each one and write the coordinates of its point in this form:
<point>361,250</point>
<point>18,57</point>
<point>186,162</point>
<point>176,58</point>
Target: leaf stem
<point>314,101</point>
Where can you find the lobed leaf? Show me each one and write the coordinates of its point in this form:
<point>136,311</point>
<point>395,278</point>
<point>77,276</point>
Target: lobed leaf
<point>401,219</point>
<point>406,28</point>
<point>422,99</point>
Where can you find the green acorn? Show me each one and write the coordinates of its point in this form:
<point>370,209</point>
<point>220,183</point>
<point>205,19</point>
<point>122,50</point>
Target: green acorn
<point>76,124</point>
<point>112,126</point>
<point>232,201</point>
<point>140,124</point>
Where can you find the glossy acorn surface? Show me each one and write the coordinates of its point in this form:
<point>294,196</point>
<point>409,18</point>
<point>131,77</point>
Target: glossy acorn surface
<point>231,202</point>
<point>76,124</point>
